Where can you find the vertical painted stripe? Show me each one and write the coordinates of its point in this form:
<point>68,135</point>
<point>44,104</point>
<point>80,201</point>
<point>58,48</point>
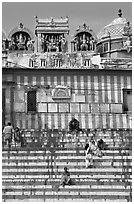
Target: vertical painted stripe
<point>69,118</point>
<point>62,121</point>
<point>69,81</point>
<point>83,121</point>
<point>59,121</point>
<point>56,120</point>
<point>79,84</point>
<point>86,121</point>
<point>109,89</point>
<point>37,121</point>
<point>103,89</point>
<point>104,121</point>
<point>49,80</point>
<point>52,120</point>
<point>66,121</point>
<point>89,82</point>
<point>115,89</point>
<point>107,121</point>
<point>121,121</point>
<point>75,84</point>
<point>92,89</point>
<point>55,81</point>
<point>62,81</point>
<point>114,121</point>
<point>29,122</point>
<point>90,124</point>
<point>112,90</point>
<point>125,81</point>
<point>85,86</point>
<point>119,88</point>
<point>99,89</point>
<point>128,121</point>
<point>96,87</point>
<point>78,118</point>
<point>18,81</point>
<point>97,122</point>
<point>111,121</point>
<point>128,82</point>
<point>42,120</point>
<point>118,121</point>
<point>17,120</point>
<point>101,121</point>
<point>34,80</point>
<point>23,121</point>
<point>25,80</point>
<point>124,120</point>
<point>46,119</point>
<point>93,121</point>
<point>122,86</point>
<point>82,84</point>
<point>89,100</point>
<point>42,80</point>
<point>33,121</point>
<point>49,121</point>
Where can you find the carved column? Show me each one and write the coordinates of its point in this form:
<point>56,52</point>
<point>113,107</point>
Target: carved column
<point>39,42</point>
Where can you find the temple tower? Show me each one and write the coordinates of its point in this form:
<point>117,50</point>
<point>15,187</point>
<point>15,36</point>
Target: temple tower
<point>51,35</point>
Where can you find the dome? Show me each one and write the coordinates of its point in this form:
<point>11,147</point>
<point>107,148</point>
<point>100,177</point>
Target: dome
<point>117,27</point>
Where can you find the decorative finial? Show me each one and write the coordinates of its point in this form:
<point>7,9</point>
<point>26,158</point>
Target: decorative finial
<point>21,25</point>
<point>36,19</point>
<point>120,13</point>
<point>84,25</point>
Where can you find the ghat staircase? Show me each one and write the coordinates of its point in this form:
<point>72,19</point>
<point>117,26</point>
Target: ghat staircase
<point>33,173</point>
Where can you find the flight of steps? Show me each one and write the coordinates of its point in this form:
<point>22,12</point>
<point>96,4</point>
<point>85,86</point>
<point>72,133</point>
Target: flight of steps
<point>33,173</point>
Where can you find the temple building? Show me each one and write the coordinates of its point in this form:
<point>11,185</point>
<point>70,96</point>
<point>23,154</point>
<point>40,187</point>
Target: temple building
<point>44,83</point>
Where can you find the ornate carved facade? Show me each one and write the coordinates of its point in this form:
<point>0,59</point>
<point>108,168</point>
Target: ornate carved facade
<point>87,76</point>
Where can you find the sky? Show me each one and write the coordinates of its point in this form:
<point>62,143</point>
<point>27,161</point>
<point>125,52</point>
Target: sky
<point>96,15</point>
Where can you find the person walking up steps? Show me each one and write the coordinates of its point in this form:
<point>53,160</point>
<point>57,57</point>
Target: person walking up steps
<point>8,132</point>
<point>90,150</point>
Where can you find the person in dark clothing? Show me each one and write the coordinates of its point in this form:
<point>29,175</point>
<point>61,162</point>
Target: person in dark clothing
<point>18,137</point>
<point>101,144</point>
<point>66,180</point>
<point>74,124</point>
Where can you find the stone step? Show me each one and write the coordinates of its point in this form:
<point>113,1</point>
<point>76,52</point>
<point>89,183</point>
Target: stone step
<point>79,165</point>
<point>60,198</point>
<point>37,148</point>
<point>79,183</point>
<point>90,176</point>
<point>64,153</point>
<point>76,187</point>
<point>75,173</point>
<point>61,159</point>
<point>59,169</point>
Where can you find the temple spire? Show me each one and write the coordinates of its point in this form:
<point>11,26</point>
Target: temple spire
<point>120,13</point>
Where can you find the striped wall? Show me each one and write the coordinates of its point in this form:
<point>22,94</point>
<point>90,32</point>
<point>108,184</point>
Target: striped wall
<point>96,88</point>
<point>61,121</point>
<point>100,89</point>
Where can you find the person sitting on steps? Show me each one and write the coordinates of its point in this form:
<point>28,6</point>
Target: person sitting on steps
<point>74,125</point>
<point>66,180</point>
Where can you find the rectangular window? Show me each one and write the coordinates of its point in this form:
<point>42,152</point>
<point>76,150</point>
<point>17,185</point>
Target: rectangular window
<point>31,101</point>
<point>127,100</point>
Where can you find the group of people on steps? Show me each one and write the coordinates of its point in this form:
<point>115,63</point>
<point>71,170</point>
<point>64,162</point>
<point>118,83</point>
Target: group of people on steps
<point>92,147</point>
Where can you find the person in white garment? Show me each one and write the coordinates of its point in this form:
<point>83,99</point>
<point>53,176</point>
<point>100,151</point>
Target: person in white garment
<point>8,132</point>
<point>91,149</point>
